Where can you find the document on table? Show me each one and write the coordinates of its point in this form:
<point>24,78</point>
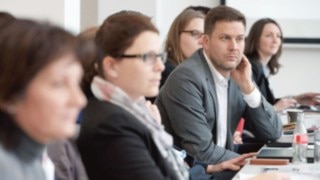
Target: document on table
<point>296,172</point>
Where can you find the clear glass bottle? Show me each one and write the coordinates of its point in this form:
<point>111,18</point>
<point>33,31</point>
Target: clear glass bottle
<point>300,141</point>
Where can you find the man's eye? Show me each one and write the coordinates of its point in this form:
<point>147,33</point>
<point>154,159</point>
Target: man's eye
<point>240,39</point>
<point>224,38</point>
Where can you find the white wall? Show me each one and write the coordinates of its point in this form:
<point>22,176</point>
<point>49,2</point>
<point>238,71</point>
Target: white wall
<point>74,15</point>
<point>300,71</point>
<point>89,13</point>
<point>297,19</point>
<point>162,11</point>
<point>301,63</point>
<point>43,10</point>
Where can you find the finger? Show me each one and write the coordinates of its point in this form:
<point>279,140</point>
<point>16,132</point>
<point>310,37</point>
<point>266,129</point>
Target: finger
<point>154,107</point>
<point>233,167</point>
<point>238,140</point>
<point>244,57</point>
<point>245,156</point>
<point>241,163</point>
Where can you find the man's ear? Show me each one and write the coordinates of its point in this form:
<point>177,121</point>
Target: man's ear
<point>205,42</point>
<point>110,67</point>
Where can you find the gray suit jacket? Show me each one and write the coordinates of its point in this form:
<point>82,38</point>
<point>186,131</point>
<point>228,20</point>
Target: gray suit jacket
<point>189,110</point>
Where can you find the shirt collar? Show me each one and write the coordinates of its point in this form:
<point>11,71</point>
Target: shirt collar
<point>218,78</point>
<point>266,70</point>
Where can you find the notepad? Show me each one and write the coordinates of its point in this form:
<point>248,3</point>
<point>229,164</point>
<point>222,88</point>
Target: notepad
<point>282,153</point>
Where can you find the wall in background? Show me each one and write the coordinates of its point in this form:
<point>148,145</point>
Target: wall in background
<point>89,13</point>
<point>301,63</point>
<point>300,70</point>
<point>74,15</point>
<point>52,11</point>
<point>162,11</point>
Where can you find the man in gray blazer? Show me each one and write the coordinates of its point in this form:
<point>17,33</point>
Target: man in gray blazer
<point>204,98</point>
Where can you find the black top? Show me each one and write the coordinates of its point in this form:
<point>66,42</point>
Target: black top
<point>165,74</point>
<point>262,81</point>
<point>115,145</point>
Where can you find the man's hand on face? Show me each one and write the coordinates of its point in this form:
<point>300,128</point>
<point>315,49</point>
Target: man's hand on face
<point>242,75</point>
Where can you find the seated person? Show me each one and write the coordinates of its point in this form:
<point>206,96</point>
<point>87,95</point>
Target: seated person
<point>204,98</point>
<point>183,39</point>
<point>263,48</point>
<point>40,96</point>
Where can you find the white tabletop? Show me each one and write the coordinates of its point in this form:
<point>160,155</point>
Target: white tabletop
<point>296,172</point>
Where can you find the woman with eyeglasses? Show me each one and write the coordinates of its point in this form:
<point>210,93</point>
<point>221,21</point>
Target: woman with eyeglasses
<point>121,136</point>
<point>183,39</point>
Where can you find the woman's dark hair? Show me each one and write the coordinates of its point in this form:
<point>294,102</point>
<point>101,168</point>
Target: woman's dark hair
<point>26,47</point>
<point>252,44</point>
<point>116,34</point>
<point>89,57</point>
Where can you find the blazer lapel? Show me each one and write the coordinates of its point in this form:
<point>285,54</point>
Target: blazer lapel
<point>212,91</point>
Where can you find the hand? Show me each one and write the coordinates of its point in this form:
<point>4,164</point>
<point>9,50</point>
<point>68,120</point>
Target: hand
<point>284,103</point>
<point>242,75</point>
<point>237,139</point>
<point>232,164</point>
<point>308,98</point>
<point>154,111</point>
<point>273,176</point>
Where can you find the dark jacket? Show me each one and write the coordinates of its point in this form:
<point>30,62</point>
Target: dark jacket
<point>262,81</point>
<point>169,67</point>
<point>115,145</point>
<point>66,158</point>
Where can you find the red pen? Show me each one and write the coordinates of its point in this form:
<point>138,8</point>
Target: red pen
<point>240,125</point>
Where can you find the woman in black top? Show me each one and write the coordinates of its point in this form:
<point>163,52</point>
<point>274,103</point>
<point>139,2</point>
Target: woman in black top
<point>263,48</point>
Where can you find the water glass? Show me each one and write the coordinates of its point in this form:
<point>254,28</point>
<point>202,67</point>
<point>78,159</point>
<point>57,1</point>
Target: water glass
<point>317,145</point>
<point>293,115</point>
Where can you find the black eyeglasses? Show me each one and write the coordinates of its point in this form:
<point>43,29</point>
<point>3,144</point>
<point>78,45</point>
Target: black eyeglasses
<point>148,58</point>
<point>194,33</point>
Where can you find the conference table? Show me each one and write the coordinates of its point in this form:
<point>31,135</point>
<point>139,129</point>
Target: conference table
<point>282,150</point>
